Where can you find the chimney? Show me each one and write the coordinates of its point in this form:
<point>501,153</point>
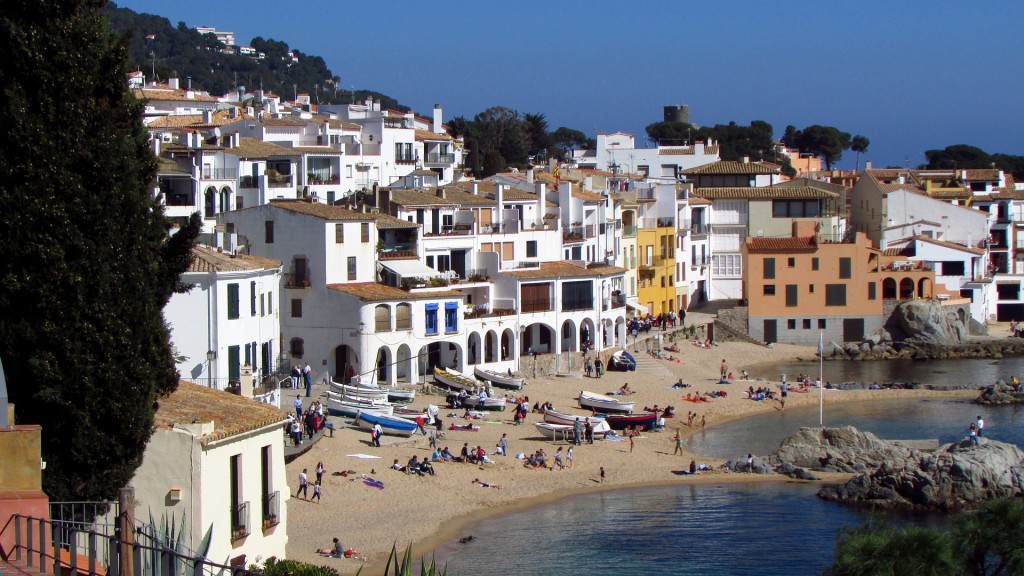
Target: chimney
<point>867,164</point>
<point>156,145</point>
<point>437,119</point>
<point>475,188</point>
<point>233,112</point>
<point>172,83</point>
<point>440,193</point>
<point>207,116</point>
<point>529,175</point>
<point>376,105</point>
<point>746,159</point>
<point>188,82</point>
<point>588,183</point>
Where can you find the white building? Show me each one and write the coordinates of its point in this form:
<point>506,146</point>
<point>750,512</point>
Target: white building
<point>228,319</point>
<point>216,460</point>
<point>618,153</point>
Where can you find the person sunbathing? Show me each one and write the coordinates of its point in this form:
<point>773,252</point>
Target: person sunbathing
<point>625,390</point>
<point>486,484</point>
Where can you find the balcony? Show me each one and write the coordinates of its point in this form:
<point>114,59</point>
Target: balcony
<point>239,521</point>
<point>435,158</point>
<point>483,312</point>
<point>629,231</point>
<point>405,159</point>
<point>249,182</point>
<point>573,234</point>
<point>576,305</point>
<point>507,227</point>
<point>313,180</point>
<point>275,180</point>
<point>700,229</point>
<point>614,301</point>
<point>397,253</point>
<point>297,281</point>
<point>271,510</point>
<point>220,173</point>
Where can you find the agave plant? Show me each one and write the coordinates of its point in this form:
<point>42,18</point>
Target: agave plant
<point>171,537</point>
<point>403,566</point>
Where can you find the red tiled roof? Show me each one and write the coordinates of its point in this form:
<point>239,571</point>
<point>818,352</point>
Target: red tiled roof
<point>373,292</point>
<point>764,193</point>
<point>564,269</point>
<point>230,413</point>
<point>734,167</point>
<point>788,244</point>
<point>206,259</point>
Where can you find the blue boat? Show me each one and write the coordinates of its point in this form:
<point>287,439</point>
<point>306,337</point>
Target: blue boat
<point>390,424</point>
<point>622,361</point>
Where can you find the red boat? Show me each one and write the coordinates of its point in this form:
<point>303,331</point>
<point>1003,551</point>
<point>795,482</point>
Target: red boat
<point>643,420</point>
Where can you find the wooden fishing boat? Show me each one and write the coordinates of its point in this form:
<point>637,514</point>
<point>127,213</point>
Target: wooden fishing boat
<point>513,382</point>
<point>339,405</point>
<point>605,404</point>
<point>645,420</point>
<point>395,394</point>
<point>554,431</point>
<point>359,392</point>
<point>487,404</point>
<point>454,380</point>
<point>391,425</point>
<point>597,423</point>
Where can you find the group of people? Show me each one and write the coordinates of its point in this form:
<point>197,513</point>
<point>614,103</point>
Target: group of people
<point>760,393</point>
<point>691,417</point>
<point>975,430</point>
<point>593,366</point>
<point>415,466</point>
<point>308,421</point>
<point>303,374</point>
<point>304,483</point>
<point>664,320</point>
<point>539,459</point>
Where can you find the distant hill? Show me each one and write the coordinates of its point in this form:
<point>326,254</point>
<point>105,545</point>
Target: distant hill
<point>181,51</point>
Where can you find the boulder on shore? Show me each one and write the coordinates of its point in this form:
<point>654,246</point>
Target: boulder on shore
<point>891,475</point>
<point>927,321</point>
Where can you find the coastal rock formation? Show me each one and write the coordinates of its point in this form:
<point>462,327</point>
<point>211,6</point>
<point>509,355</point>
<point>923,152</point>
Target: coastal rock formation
<point>954,476</point>
<point>837,450</point>
<point>927,321</point>
<point>890,474</point>
<point>996,395</point>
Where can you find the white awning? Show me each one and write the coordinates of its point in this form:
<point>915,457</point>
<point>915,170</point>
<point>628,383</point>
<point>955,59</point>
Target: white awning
<point>636,305</point>
<point>410,268</point>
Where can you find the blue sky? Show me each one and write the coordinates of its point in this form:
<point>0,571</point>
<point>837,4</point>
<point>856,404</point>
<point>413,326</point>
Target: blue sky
<point>910,75</point>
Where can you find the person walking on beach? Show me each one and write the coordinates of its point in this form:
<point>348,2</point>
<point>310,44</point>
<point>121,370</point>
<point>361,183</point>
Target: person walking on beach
<point>703,421</point>
<point>630,432</point>
<point>433,438</point>
<point>679,443</point>
<point>602,475</point>
<point>577,432</point>
<point>568,457</point>
<point>981,425</point>
<point>589,366</point>
<point>316,492</point>
<point>375,433</point>
<point>304,484</point>
<point>750,462</point>
<point>599,367</point>
<point>588,430</point>
<point>319,471</point>
<point>724,371</point>
<point>503,442</point>
<point>298,407</point>
<point>558,459</point>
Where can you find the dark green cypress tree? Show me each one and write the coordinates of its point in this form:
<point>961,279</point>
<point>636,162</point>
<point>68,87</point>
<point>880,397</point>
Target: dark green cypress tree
<point>86,264</point>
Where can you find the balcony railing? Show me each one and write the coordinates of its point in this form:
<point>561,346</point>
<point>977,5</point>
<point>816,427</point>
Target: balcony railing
<point>279,180</point>
<point>573,234</point>
<point>629,231</point>
<point>249,182</point>
<point>700,228</point>
<point>507,227</point>
<point>271,510</point>
<point>614,301</point>
<point>440,158</point>
<point>396,254</point>
<point>405,160</point>
<point>322,181</point>
<point>292,280</point>
<point>239,521</point>
<point>220,173</point>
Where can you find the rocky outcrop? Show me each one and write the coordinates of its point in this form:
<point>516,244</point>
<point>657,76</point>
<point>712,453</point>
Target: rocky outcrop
<point>927,321</point>
<point>999,395</point>
<point>891,475</point>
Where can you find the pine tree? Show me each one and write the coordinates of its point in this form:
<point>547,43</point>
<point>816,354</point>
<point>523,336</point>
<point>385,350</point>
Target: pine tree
<point>86,263</point>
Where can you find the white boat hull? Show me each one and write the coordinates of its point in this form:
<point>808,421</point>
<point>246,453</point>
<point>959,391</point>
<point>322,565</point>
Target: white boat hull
<point>500,380</point>
<point>598,425</point>
<point>453,381</point>
<point>600,403</point>
<point>359,392</point>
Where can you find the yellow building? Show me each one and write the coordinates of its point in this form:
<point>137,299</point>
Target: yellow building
<point>656,261</point>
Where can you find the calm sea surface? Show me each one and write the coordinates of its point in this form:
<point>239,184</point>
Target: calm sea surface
<point>767,529</point>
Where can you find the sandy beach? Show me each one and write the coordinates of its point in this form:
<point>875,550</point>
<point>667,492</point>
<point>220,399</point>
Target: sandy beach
<point>425,511</point>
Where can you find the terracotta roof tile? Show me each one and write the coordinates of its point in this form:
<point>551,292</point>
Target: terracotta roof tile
<point>733,167</point>
<point>372,292</point>
<point>786,244</point>
<point>322,150</point>
<point>587,196</point>
<point>257,149</point>
<point>165,94</point>
<point>463,197</point>
<point>565,269</point>
<point>230,413</point>
<point>206,259</point>
<point>953,245</point>
<point>406,197</point>
<point>764,193</point>
<point>168,167</point>
<point>271,121</point>
<point>422,135</point>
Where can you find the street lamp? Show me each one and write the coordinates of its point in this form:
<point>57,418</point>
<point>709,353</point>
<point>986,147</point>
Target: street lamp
<point>211,355</point>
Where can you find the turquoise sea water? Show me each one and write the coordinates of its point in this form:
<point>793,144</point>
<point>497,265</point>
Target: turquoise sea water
<point>767,529</point>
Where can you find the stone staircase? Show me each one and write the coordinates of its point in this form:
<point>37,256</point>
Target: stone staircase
<point>650,368</point>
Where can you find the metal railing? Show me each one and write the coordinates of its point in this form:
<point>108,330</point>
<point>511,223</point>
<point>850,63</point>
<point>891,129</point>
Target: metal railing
<point>91,553</point>
<point>629,231</point>
<point>220,173</point>
<point>240,521</point>
<point>271,509</point>
<point>292,280</point>
<point>434,158</point>
<point>249,182</point>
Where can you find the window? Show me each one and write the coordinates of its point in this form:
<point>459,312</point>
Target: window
<point>769,289</point>
<point>791,262</point>
<point>821,323</point>
<point>339,233</point>
<point>451,317</point>
<point>791,295</point>
<point>364,232</point>
<point>269,228</point>
<point>872,291</point>
<point>578,295</point>
<point>795,209</point>
<point>769,268</point>
<point>403,316</point>
<point>296,308</point>
<point>814,263</point>
<point>791,324</point>
<point>297,347</point>
<point>232,301</point>
<point>263,305</point>
<point>955,268</point>
<point>252,298</point>
<point>351,268</point>
<point>835,294</point>
<point>727,265</point>
<point>234,364</point>
<point>810,288</point>
<point>845,268</point>
<point>430,318</point>
<point>807,323</point>
<point>531,248</point>
<point>270,302</point>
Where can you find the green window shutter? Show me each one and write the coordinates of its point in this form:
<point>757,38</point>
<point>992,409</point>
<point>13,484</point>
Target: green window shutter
<point>232,301</point>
